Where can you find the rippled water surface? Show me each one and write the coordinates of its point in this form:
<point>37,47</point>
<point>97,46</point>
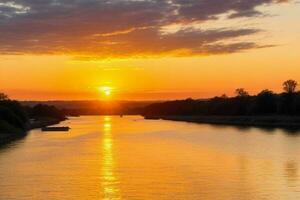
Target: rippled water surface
<point>132,158</point>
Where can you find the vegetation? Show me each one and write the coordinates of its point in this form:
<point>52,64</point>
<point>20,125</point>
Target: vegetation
<point>14,118</point>
<point>289,86</point>
<point>3,97</point>
<point>264,103</point>
<point>42,111</point>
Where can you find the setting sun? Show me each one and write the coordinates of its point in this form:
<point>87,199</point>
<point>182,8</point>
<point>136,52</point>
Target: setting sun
<point>105,90</point>
<point>107,93</point>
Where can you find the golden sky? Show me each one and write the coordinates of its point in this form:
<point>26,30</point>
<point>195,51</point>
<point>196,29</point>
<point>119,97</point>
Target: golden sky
<point>147,49</point>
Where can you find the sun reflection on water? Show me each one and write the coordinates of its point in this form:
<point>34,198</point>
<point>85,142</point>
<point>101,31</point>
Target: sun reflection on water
<point>110,181</point>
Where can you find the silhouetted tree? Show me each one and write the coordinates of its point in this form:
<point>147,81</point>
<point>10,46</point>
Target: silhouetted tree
<point>3,97</point>
<point>224,96</point>
<point>287,104</point>
<point>290,86</point>
<point>13,118</point>
<point>240,102</point>
<point>265,102</point>
<point>241,92</point>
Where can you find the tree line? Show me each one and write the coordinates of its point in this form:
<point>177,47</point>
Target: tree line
<point>15,118</point>
<point>265,102</point>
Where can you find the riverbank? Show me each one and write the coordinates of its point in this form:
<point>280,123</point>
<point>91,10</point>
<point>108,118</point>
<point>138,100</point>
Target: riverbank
<point>33,124</point>
<point>40,123</point>
<point>258,121</point>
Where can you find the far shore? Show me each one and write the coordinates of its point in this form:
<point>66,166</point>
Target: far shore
<point>292,122</point>
<point>9,137</point>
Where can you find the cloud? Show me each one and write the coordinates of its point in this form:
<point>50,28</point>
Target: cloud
<point>210,9</point>
<point>116,28</point>
<point>10,9</point>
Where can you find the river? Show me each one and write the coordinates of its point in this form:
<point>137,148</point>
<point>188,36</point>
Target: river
<point>112,157</point>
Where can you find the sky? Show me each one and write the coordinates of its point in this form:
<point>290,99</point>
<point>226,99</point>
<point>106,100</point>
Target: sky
<point>146,49</point>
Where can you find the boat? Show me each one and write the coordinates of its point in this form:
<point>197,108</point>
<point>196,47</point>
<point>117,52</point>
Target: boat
<point>64,128</point>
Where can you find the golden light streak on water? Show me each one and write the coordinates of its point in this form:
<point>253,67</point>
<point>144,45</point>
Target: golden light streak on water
<point>109,180</point>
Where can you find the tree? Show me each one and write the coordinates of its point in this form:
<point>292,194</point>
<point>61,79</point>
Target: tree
<point>224,96</point>
<point>265,103</point>
<point>266,92</point>
<point>290,86</point>
<point>12,115</point>
<point>3,97</point>
<point>241,92</point>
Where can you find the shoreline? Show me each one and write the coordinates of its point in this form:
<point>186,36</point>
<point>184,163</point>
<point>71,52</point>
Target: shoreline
<point>10,137</point>
<point>44,122</point>
<point>289,122</point>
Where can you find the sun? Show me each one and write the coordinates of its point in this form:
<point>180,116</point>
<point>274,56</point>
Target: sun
<point>105,90</point>
<point>107,93</point>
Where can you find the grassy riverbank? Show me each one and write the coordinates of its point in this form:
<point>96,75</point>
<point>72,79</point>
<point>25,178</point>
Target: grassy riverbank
<point>259,121</point>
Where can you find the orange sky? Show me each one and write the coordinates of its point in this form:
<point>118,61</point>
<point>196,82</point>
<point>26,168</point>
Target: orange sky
<point>144,54</point>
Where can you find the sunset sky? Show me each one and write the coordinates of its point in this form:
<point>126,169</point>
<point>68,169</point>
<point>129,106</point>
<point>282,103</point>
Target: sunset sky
<point>146,49</point>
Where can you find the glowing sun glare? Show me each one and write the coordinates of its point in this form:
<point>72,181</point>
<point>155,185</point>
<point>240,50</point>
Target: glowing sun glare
<point>107,93</point>
<point>105,90</point>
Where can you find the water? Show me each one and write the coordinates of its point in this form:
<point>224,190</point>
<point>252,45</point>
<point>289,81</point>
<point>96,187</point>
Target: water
<point>132,158</point>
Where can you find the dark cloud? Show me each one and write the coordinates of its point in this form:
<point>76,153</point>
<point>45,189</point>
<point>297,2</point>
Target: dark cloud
<point>121,27</point>
<point>210,9</point>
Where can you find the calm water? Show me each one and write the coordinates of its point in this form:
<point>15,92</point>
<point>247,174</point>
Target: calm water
<point>131,158</point>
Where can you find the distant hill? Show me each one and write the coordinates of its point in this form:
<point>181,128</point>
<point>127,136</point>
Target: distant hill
<point>94,107</point>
